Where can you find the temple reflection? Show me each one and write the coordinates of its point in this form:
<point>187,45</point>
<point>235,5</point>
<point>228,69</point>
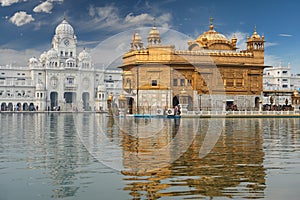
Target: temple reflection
<point>234,167</point>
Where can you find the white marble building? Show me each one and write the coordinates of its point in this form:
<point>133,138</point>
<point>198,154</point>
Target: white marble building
<point>279,83</point>
<point>60,79</point>
<point>277,78</point>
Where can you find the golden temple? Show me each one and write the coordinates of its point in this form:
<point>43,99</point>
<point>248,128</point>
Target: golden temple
<point>210,72</point>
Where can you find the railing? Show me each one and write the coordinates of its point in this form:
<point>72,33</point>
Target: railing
<point>244,113</point>
<point>69,86</point>
<point>16,83</point>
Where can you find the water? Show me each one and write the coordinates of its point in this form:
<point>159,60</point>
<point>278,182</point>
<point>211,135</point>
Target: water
<point>91,156</point>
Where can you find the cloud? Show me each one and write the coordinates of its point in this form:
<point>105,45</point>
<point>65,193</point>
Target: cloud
<point>8,56</point>
<point>9,2</point>
<point>21,18</point>
<point>45,7</point>
<point>270,44</point>
<point>139,19</point>
<point>272,60</point>
<point>284,35</point>
<point>109,17</point>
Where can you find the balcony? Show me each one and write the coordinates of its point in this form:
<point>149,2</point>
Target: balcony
<point>70,86</point>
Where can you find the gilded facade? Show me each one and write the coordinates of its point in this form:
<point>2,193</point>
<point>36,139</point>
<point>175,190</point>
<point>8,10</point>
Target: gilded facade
<point>209,73</point>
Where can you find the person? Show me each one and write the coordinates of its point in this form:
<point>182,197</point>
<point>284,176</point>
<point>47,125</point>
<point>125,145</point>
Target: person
<point>176,110</point>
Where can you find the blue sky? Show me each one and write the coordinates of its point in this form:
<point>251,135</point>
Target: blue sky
<point>27,26</point>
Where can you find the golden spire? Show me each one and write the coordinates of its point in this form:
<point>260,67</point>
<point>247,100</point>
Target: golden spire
<point>211,26</point>
<point>154,22</point>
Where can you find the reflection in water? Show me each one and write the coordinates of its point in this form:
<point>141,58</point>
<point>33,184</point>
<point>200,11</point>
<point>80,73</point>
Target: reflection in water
<point>234,167</point>
<point>61,155</point>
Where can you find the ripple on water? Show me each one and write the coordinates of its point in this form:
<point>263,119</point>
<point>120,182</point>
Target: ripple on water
<point>42,156</point>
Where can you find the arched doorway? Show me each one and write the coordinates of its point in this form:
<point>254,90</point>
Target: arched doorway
<point>25,106</point>
<point>130,105</point>
<point>256,102</point>
<point>175,101</point>
<point>53,100</point>
<point>70,98</point>
<point>3,107</point>
<point>31,107</point>
<point>10,107</point>
<point>85,101</point>
<point>19,106</point>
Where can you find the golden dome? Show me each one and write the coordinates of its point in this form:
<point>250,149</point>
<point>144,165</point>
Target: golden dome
<point>255,34</point>
<point>154,32</point>
<point>213,40</point>
<point>211,35</point>
<point>154,36</point>
<point>136,37</point>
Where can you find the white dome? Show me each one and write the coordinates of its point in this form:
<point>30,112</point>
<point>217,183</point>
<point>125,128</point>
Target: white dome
<point>33,60</point>
<point>64,28</point>
<point>52,53</point>
<point>84,55</point>
<point>43,57</point>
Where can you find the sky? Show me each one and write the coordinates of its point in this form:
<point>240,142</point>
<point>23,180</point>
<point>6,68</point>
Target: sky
<point>27,26</point>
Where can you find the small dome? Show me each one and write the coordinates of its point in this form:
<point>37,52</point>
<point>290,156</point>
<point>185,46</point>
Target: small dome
<point>137,42</point>
<point>84,55</point>
<point>154,32</point>
<point>64,28</point>
<point>154,36</point>
<point>43,57</point>
<point>52,53</point>
<point>234,39</point>
<point>136,38</point>
<point>33,60</point>
<point>255,34</point>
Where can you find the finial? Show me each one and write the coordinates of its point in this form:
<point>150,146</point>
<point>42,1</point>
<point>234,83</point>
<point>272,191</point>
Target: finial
<point>65,16</point>
<point>154,22</point>
<point>211,26</point>
<point>211,20</point>
<point>255,29</point>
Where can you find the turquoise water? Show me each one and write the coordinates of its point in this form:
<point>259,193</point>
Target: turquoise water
<point>92,156</point>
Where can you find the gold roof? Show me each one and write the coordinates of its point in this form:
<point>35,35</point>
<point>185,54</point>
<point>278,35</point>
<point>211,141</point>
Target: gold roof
<point>255,34</point>
<point>211,35</point>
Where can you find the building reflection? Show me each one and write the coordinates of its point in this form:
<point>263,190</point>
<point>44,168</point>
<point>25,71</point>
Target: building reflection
<point>164,163</point>
<point>233,168</point>
<point>57,150</point>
